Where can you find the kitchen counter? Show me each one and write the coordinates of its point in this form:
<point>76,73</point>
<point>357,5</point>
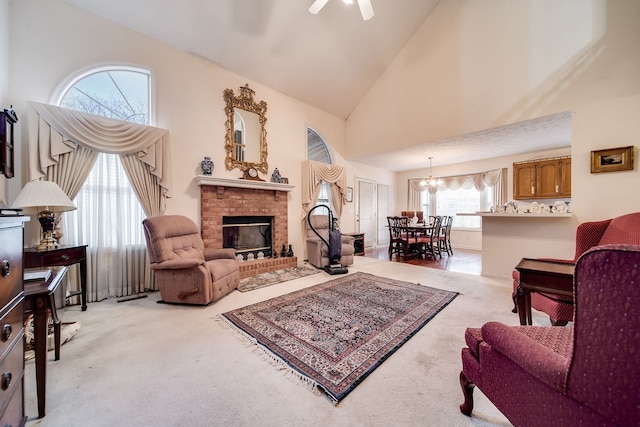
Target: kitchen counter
<point>518,215</point>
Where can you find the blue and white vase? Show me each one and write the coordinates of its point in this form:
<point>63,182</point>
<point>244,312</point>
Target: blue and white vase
<point>207,165</point>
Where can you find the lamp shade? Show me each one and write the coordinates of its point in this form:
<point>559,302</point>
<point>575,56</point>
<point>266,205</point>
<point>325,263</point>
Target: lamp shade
<point>37,196</point>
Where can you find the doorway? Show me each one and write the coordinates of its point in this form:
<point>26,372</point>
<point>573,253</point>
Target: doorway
<point>366,211</point>
<point>384,201</point>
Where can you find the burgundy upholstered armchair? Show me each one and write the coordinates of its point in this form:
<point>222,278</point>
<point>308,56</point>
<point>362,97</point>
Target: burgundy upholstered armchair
<point>184,270</point>
<point>586,374</point>
<point>624,229</point>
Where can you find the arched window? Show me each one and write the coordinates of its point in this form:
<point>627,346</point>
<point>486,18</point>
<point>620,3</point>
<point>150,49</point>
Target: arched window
<point>109,215</point>
<point>317,150</point>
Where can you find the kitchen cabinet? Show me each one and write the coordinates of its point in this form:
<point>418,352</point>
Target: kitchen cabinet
<point>542,179</point>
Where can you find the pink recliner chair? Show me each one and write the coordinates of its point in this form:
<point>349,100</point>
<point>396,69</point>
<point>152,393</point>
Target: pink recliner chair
<point>318,251</point>
<point>624,229</point>
<point>587,374</point>
<point>184,270</point>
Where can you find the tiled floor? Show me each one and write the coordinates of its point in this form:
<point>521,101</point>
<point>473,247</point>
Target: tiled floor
<point>462,260</point>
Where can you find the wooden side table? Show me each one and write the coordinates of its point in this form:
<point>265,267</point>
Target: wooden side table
<point>358,243</point>
<point>38,297</point>
<point>543,276</point>
<point>61,256</point>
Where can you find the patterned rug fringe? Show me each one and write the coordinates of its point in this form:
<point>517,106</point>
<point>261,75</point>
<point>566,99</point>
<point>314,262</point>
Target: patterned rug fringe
<point>273,360</point>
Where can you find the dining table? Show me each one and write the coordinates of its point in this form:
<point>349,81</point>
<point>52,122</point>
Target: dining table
<point>415,231</point>
<point>419,229</point>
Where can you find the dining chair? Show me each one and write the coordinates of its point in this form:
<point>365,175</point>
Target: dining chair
<point>445,235</point>
<point>398,235</point>
<point>430,243</point>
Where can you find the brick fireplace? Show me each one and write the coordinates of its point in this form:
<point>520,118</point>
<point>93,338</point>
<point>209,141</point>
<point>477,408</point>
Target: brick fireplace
<point>220,197</point>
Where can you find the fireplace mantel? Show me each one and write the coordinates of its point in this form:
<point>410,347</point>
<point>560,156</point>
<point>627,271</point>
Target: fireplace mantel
<point>241,183</point>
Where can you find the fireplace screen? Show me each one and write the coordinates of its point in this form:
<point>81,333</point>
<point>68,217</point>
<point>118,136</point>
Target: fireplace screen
<point>248,235</point>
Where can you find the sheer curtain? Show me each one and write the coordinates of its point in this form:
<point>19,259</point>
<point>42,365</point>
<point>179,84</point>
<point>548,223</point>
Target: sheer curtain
<point>116,252</point>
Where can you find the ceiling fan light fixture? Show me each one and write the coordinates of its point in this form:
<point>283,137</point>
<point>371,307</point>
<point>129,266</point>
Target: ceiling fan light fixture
<point>317,6</point>
<point>366,10</point>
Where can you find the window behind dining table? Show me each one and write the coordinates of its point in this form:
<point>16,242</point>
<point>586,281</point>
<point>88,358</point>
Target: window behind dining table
<point>450,199</point>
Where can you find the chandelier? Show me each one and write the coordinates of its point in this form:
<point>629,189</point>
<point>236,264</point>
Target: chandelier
<point>431,181</point>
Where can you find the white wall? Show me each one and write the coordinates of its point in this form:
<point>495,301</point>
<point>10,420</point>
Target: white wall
<point>4,76</point>
<point>477,65</point>
<point>609,124</point>
<point>606,124</point>
<point>51,39</point>
<point>4,50</point>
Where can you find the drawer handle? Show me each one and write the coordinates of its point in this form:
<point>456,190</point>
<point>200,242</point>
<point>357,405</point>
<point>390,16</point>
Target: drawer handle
<point>65,257</point>
<point>6,380</point>
<point>6,267</point>
<point>6,332</point>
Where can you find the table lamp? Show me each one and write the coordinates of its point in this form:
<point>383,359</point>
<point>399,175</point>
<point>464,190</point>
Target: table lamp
<point>44,198</point>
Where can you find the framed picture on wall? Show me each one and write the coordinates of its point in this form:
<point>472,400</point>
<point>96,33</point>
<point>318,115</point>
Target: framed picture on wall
<point>612,159</point>
<point>349,194</point>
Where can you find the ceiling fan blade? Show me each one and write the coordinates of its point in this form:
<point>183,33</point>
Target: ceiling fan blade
<point>316,6</point>
<point>365,9</point>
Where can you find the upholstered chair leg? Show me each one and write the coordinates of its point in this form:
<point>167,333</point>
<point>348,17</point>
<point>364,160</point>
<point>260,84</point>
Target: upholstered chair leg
<point>467,390</point>
<point>555,322</point>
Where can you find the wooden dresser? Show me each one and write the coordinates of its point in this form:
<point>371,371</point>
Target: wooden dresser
<point>11,321</point>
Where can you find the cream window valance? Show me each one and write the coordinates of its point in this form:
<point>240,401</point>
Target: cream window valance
<point>313,173</point>
<point>54,131</point>
<point>495,178</point>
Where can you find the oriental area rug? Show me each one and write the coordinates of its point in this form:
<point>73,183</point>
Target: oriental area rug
<point>331,336</point>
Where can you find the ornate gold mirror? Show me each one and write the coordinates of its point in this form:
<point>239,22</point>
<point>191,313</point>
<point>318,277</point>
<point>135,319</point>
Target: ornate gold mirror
<point>246,138</point>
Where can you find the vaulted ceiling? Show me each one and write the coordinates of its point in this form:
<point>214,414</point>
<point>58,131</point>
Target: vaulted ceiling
<point>328,60</point>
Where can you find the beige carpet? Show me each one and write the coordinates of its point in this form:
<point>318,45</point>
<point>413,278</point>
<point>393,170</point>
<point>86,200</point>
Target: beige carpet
<point>140,363</point>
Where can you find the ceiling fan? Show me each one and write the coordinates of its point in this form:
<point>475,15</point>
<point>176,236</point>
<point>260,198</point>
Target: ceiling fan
<point>365,7</point>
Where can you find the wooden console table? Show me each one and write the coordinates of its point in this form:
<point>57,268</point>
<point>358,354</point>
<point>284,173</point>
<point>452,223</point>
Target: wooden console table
<point>38,297</point>
<point>542,276</point>
<point>61,256</point>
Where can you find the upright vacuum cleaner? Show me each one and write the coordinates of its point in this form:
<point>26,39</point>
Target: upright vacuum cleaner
<point>334,244</point>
